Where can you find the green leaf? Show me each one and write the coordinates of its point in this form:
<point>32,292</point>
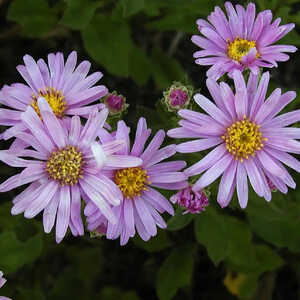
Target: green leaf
<point>267,259</point>
<point>139,66</point>
<point>278,221</point>
<point>179,220</point>
<point>14,253</point>
<point>175,272</point>
<point>35,16</point>
<point>156,244</point>
<point>165,69</point>
<point>131,7</point>
<point>109,43</point>
<point>210,231</point>
<point>79,13</point>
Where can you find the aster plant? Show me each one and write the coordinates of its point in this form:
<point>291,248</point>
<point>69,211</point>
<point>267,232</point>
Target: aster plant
<point>67,89</point>
<point>241,40</point>
<point>250,140</point>
<point>62,168</point>
<point>142,204</point>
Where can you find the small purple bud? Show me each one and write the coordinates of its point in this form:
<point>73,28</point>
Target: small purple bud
<point>178,97</point>
<point>194,202</point>
<point>115,103</point>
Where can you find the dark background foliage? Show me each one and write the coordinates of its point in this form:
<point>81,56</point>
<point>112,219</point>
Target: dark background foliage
<point>142,46</point>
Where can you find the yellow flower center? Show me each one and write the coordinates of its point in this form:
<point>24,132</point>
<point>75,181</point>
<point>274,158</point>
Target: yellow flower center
<point>55,99</point>
<point>132,181</point>
<point>243,138</point>
<point>65,165</point>
<point>239,48</point>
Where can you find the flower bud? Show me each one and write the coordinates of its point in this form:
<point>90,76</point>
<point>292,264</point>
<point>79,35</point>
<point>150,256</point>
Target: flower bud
<point>193,202</point>
<point>115,103</point>
<point>177,96</point>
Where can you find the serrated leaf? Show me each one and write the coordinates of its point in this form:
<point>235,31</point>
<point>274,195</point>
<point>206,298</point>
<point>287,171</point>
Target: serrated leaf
<point>210,231</point>
<point>109,43</point>
<point>175,272</point>
<point>79,13</point>
<point>179,221</point>
<point>156,244</point>
<point>14,253</point>
<point>165,69</point>
<point>131,7</point>
<point>276,222</point>
<point>35,16</point>
<point>139,65</point>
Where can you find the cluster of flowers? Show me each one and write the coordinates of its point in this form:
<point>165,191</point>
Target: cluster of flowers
<point>70,154</point>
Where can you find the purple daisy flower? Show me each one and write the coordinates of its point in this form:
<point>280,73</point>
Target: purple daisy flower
<point>2,282</point>
<point>142,204</point>
<point>67,90</point>
<point>251,141</point>
<point>240,41</point>
<point>62,168</point>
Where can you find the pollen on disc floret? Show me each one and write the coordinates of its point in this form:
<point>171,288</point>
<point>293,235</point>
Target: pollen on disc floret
<point>132,181</point>
<point>65,165</point>
<point>243,138</point>
<point>55,99</point>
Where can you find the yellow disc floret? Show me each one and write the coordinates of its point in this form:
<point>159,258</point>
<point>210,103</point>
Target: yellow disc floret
<point>239,48</point>
<point>243,138</point>
<point>65,165</point>
<point>132,181</point>
<point>55,99</point>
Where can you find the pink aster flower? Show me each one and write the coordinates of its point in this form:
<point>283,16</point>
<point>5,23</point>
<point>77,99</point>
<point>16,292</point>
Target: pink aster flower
<point>142,204</point>
<point>193,202</point>
<point>240,40</point>
<point>2,282</point>
<point>67,90</point>
<point>62,168</point>
<point>250,140</point>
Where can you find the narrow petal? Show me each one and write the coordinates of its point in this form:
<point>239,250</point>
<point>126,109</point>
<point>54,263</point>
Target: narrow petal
<point>160,155</point>
<point>145,216</point>
<point>153,146</point>
<point>211,109</point>
<point>141,136</point>
<point>154,196</point>
<point>167,177</point>
<point>241,96</point>
<point>226,183</point>
<point>49,214</point>
<point>53,125</point>
<point>76,209</point>
<point>213,173</point>
<point>170,166</point>
<point>242,185</point>
<point>198,145</point>
<point>206,162</point>
<point>99,201</point>
<point>123,161</point>
<point>42,200</point>
<point>63,213</point>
